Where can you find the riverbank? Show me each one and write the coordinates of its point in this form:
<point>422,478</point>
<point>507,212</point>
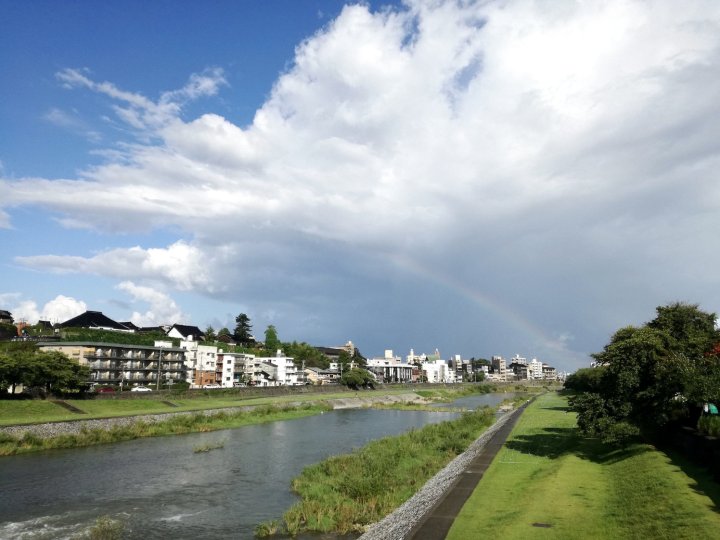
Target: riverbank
<point>347,493</point>
<point>45,436</point>
<point>548,482</point>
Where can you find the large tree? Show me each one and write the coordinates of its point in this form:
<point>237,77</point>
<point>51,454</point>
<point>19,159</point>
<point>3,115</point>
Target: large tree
<point>650,376</point>
<point>272,343</point>
<point>243,330</point>
<point>51,371</point>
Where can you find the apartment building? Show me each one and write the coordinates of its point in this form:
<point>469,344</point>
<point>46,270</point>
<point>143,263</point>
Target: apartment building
<point>113,363</point>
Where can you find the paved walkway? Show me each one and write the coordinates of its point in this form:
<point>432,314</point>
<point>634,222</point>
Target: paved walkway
<point>437,521</point>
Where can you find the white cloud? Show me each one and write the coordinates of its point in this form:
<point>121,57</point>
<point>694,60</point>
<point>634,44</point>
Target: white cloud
<point>528,148</point>
<point>60,309</point>
<point>163,309</point>
<point>180,265</point>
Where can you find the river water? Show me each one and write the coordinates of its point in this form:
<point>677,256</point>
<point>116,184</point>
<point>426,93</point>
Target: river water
<point>162,488</point>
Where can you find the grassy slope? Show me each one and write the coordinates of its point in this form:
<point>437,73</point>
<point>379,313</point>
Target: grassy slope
<point>38,411</point>
<point>547,474</point>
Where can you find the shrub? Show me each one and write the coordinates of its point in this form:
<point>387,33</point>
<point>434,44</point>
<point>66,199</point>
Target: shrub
<point>709,425</point>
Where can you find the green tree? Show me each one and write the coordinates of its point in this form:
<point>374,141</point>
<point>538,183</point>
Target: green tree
<point>224,332</point>
<point>649,376</point>
<point>210,334</point>
<point>357,378</point>
<point>305,354</point>
<point>11,372</point>
<point>243,330</point>
<point>272,343</point>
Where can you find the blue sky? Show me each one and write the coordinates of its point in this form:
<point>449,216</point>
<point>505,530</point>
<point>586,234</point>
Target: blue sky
<point>477,177</point>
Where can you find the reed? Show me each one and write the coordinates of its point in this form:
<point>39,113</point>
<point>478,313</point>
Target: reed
<point>345,493</point>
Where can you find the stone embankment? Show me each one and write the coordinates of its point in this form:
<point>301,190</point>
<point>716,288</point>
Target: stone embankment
<point>53,429</point>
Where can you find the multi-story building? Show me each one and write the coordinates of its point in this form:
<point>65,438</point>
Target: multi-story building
<point>390,368</point>
<point>437,371</point>
<point>113,363</point>
<point>201,363</point>
<point>499,369</point>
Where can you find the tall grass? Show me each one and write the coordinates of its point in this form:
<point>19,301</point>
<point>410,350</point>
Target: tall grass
<point>345,493</point>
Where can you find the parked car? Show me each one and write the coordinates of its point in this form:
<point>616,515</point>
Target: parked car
<point>140,389</point>
<point>105,390</point>
<point>212,386</point>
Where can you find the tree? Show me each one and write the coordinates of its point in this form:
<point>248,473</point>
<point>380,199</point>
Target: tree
<point>307,355</point>
<point>357,378</point>
<point>48,370</point>
<point>210,333</point>
<point>243,330</point>
<point>11,372</point>
<point>649,376</point>
<point>224,332</point>
<point>272,343</point>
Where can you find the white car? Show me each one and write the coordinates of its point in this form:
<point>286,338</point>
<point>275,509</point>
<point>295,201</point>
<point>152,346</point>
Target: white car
<point>212,386</point>
<point>140,389</point>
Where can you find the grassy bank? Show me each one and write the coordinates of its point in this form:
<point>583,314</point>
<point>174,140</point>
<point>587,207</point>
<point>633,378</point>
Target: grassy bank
<point>345,493</point>
<point>548,482</point>
<point>175,426</point>
<point>40,411</point>
<point>19,412</point>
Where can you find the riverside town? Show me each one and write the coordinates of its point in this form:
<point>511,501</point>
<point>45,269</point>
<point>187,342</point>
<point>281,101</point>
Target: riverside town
<point>385,445</point>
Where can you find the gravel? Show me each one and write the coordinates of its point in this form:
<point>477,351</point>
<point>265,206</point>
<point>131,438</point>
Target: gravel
<point>403,520</point>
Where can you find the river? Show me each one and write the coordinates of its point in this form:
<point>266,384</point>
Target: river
<point>163,488</point>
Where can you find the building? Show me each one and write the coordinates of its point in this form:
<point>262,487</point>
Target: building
<point>390,369</point>
<point>112,363</point>
<point>95,320</point>
<point>499,369</point>
<point>201,363</point>
<point>437,371</point>
<point>278,370</point>
<point>186,332</point>
<point>320,376</point>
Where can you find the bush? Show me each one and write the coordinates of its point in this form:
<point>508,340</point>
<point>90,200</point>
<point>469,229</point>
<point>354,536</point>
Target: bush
<point>709,425</point>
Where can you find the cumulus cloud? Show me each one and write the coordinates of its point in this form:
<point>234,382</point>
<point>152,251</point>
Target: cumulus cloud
<point>59,309</point>
<point>556,154</point>
<point>163,309</point>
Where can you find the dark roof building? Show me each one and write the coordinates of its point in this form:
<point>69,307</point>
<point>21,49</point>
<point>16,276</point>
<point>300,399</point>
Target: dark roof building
<point>94,319</point>
<point>6,317</point>
<point>183,331</point>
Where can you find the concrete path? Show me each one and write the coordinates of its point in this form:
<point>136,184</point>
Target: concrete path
<point>437,521</point>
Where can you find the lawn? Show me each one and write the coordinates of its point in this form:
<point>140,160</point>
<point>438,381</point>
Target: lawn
<point>548,482</point>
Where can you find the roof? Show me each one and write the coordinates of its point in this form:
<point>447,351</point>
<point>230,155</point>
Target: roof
<point>130,325</point>
<point>101,345</point>
<point>186,330</point>
<point>93,319</point>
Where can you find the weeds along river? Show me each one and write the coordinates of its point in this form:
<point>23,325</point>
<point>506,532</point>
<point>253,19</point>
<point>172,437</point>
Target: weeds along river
<point>167,488</point>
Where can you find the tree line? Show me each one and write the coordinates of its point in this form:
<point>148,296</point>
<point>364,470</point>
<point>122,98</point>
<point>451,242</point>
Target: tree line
<point>651,377</point>
<point>45,371</point>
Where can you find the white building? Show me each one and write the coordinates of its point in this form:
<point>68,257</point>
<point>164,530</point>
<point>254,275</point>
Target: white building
<point>278,370</point>
<point>201,363</point>
<point>437,371</point>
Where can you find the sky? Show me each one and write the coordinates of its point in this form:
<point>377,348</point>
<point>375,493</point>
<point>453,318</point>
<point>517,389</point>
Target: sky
<point>481,178</point>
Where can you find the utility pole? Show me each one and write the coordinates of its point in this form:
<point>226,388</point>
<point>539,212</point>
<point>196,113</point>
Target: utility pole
<point>157,382</point>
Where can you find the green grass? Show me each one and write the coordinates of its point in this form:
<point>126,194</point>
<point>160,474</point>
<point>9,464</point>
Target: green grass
<point>347,492</point>
<point>18,412</point>
<point>176,425</point>
<point>546,474</point>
